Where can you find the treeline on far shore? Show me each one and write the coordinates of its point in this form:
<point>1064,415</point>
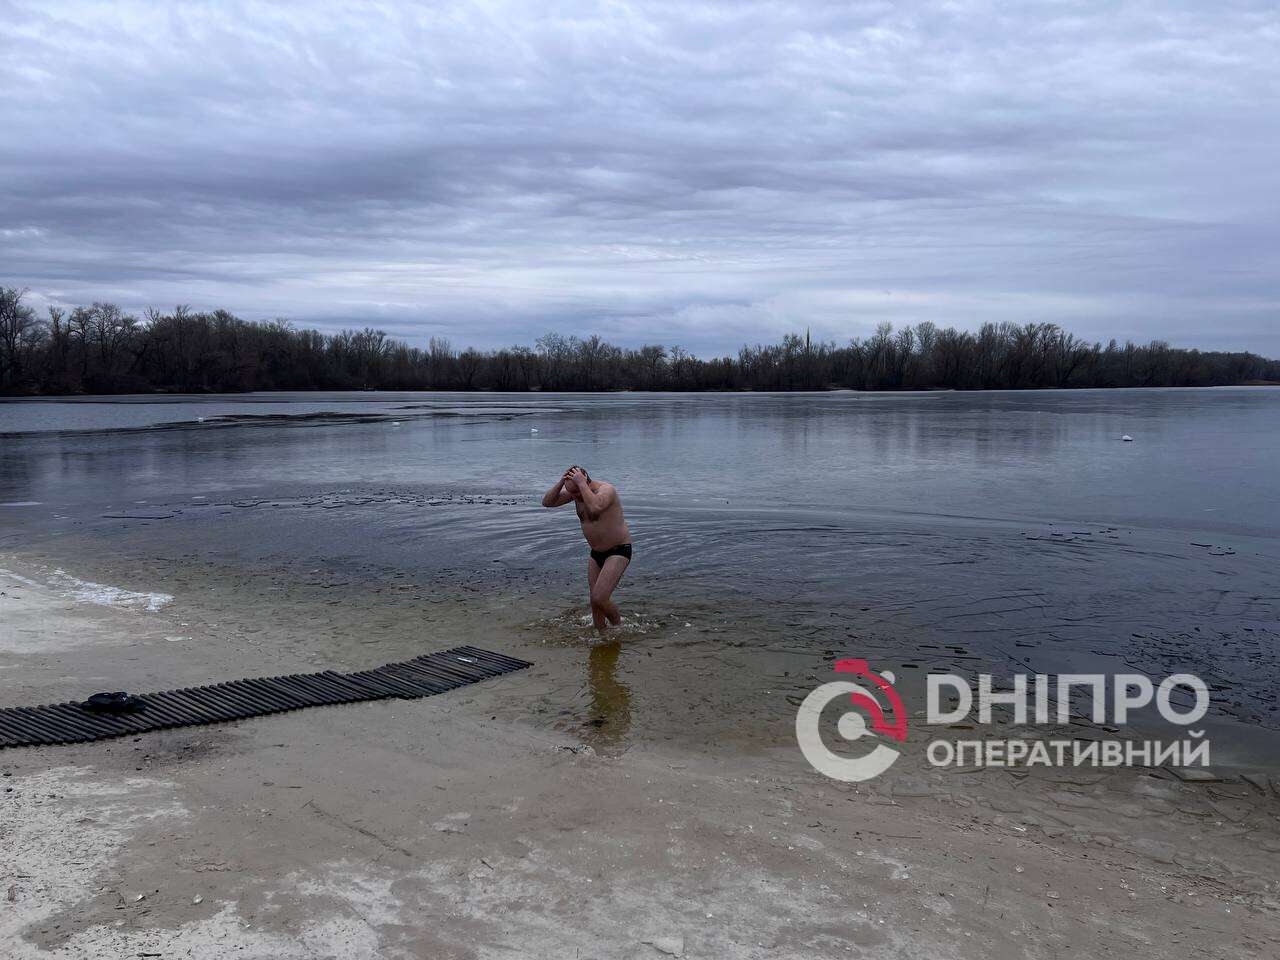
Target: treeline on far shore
<point>102,349</point>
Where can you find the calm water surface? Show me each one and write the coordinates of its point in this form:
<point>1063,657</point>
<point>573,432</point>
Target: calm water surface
<point>1000,531</point>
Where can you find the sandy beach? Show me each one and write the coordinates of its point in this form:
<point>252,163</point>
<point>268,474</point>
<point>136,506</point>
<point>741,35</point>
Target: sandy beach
<point>449,827</point>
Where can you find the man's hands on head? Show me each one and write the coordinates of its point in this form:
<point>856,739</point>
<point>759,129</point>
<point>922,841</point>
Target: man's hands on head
<point>595,499</point>
<point>563,491</point>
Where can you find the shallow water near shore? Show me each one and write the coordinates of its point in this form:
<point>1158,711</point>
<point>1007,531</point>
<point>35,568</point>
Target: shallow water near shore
<point>1001,532</point>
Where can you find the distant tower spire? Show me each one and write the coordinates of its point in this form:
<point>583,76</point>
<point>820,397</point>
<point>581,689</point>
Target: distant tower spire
<point>806,339</point>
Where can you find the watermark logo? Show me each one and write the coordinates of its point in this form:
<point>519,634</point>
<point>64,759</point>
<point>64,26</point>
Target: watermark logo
<point>887,720</point>
<point>880,718</point>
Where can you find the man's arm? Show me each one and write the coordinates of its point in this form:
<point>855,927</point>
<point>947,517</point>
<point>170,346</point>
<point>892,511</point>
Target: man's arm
<point>558,495</point>
<point>593,503</point>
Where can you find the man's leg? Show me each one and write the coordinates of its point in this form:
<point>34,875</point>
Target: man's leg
<point>602,581</point>
<point>593,574</point>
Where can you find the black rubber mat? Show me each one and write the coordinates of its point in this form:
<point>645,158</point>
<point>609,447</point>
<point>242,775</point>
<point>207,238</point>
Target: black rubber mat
<point>240,699</point>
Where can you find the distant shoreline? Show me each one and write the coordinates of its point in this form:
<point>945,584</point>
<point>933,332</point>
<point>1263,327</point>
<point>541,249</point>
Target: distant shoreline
<point>102,349</point>
<point>618,390</point>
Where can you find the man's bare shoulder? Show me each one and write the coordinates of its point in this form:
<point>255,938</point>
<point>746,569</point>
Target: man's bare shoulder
<point>607,489</point>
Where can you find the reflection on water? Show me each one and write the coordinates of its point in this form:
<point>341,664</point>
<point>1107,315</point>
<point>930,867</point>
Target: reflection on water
<point>609,720</point>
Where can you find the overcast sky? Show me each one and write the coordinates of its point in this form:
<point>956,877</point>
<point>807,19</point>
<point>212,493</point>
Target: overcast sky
<point>689,172</point>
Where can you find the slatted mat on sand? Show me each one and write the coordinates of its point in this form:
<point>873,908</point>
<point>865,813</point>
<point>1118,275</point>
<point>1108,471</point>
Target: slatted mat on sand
<point>240,699</point>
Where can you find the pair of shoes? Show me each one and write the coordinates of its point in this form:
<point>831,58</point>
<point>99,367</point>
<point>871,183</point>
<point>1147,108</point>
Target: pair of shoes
<point>118,702</point>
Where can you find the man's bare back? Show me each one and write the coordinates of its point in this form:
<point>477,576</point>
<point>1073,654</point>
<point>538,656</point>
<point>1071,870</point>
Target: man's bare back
<point>606,532</point>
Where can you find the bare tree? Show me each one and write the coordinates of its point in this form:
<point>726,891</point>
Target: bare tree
<point>102,348</point>
<point>18,328</point>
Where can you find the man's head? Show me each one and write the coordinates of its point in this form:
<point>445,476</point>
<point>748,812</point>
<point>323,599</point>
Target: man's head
<point>577,473</point>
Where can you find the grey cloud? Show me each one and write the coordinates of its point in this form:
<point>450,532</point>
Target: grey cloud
<point>697,172</point>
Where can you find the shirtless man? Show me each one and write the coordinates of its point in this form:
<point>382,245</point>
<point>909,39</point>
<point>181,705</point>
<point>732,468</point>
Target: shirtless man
<point>605,530</point>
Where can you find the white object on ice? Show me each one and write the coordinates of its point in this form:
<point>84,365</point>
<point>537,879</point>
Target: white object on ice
<point>1127,439</point>
<point>533,429</point>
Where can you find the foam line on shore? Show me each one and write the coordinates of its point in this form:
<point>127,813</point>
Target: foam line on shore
<point>86,591</point>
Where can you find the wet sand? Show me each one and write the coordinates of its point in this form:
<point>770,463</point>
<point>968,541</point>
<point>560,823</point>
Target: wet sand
<point>547,813</point>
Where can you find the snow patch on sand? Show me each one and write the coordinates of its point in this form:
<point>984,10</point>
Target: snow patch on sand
<point>63,828</point>
<point>18,577</point>
<point>226,934</point>
<point>68,829</point>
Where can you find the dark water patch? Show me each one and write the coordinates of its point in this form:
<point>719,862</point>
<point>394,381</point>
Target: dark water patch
<point>286,420</point>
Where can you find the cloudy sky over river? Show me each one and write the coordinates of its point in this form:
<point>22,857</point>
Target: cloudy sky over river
<point>699,172</point>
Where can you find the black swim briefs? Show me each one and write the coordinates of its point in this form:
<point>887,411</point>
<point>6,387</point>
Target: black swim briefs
<point>621,550</point>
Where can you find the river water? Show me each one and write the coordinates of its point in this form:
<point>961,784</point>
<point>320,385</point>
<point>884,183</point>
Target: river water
<point>1000,531</point>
